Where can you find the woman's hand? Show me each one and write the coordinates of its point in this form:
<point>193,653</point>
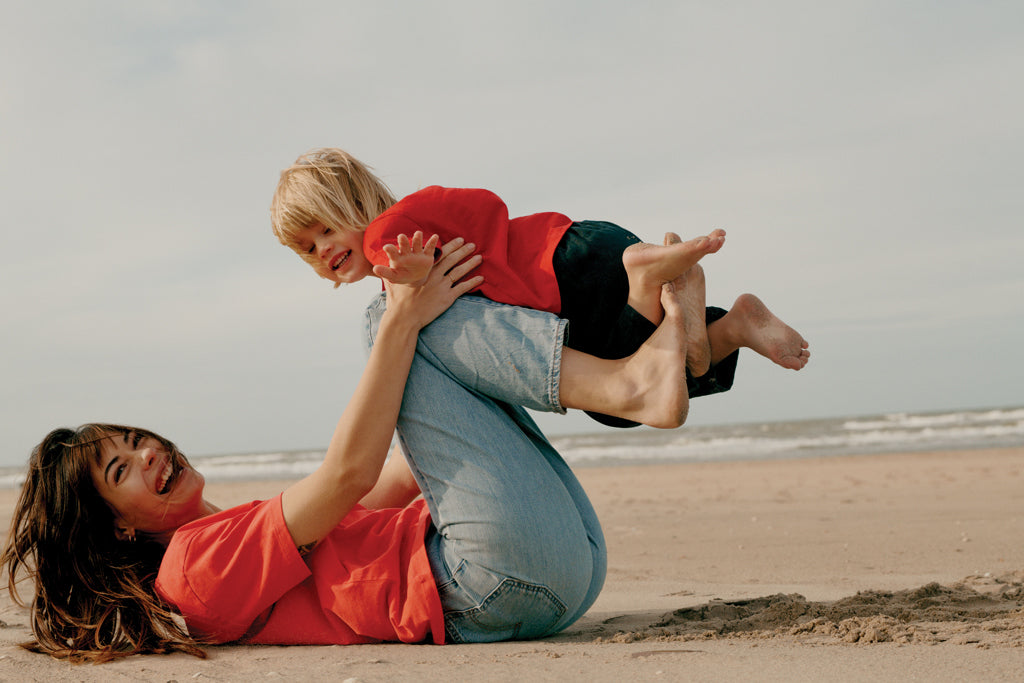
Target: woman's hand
<point>420,304</point>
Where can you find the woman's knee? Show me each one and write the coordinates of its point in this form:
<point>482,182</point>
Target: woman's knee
<point>516,598</point>
<point>513,610</point>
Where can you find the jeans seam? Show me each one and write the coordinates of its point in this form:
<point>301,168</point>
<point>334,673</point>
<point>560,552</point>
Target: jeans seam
<point>554,372</point>
<point>506,585</point>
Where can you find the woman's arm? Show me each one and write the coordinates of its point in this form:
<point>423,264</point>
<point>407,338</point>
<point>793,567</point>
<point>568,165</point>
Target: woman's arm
<point>357,451</point>
<point>396,487</point>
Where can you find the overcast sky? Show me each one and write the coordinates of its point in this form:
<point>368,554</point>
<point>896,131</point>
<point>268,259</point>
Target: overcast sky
<point>864,157</point>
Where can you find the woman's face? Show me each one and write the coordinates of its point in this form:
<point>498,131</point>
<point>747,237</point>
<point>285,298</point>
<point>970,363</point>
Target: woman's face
<point>149,490</point>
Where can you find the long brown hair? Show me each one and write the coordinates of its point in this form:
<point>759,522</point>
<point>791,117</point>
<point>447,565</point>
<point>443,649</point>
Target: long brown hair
<point>94,597</point>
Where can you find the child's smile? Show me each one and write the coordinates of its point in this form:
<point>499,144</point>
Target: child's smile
<point>337,255</point>
<point>339,260</point>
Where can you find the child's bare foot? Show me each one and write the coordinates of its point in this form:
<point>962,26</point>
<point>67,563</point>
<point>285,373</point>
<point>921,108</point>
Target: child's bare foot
<point>749,323</point>
<point>657,371</point>
<point>649,266</point>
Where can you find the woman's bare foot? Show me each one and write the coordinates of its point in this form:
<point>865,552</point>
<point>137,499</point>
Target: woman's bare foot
<point>647,387</point>
<point>649,266</point>
<point>698,348</point>
<point>658,368</point>
<point>750,324</point>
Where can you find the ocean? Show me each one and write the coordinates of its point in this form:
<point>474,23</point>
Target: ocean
<point>895,432</point>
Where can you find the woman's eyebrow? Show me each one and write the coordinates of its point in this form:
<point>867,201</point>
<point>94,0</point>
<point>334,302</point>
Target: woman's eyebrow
<point>107,470</point>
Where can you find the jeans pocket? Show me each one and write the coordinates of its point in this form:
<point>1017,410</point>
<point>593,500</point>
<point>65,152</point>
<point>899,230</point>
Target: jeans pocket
<point>513,610</point>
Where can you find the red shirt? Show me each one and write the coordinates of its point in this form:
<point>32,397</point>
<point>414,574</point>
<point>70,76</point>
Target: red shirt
<point>236,575</point>
<point>517,265</point>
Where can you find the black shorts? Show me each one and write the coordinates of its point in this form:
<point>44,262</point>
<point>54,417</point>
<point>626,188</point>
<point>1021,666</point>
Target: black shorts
<point>594,290</point>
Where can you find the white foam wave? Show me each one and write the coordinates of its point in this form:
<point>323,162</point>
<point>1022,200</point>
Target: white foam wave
<point>895,432</point>
<point>836,441</point>
<point>906,420</point>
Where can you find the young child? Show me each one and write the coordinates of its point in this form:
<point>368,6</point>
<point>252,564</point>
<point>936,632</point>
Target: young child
<point>343,220</point>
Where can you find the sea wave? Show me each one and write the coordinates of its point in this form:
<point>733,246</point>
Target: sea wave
<point>912,421</point>
<point>989,428</point>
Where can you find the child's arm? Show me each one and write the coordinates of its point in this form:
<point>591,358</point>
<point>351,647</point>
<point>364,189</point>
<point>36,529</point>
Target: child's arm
<point>410,261</point>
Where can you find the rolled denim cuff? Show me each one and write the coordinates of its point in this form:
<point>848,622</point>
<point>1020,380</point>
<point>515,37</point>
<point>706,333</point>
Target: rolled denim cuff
<point>507,353</point>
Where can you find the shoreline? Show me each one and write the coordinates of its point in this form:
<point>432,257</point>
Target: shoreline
<point>260,481</point>
<point>705,559</point>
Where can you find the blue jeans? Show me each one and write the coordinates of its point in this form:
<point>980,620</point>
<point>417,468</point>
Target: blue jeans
<point>516,549</point>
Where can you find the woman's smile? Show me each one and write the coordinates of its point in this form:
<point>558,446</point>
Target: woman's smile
<point>165,477</point>
<point>149,489</point>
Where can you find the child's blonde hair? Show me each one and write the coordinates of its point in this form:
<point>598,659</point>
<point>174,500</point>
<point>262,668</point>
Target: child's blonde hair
<point>330,187</point>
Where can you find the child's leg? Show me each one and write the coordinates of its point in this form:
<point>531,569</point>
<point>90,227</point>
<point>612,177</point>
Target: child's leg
<point>750,324</point>
<point>649,266</point>
<point>596,290</point>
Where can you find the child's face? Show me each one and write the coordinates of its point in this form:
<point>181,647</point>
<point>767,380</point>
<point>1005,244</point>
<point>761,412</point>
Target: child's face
<point>338,254</point>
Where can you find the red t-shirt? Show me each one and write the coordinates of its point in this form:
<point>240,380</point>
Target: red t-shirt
<point>517,265</point>
<point>236,575</point>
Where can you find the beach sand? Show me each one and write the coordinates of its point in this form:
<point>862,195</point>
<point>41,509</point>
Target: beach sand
<point>882,567</point>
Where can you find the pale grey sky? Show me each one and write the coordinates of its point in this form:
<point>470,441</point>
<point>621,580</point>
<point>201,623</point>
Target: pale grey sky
<point>864,157</point>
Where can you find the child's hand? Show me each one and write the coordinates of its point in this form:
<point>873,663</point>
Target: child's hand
<point>420,304</point>
<point>410,261</point>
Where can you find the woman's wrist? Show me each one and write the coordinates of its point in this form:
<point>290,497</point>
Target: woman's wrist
<point>394,323</point>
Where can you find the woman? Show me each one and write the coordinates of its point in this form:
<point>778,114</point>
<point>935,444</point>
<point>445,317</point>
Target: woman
<point>113,527</point>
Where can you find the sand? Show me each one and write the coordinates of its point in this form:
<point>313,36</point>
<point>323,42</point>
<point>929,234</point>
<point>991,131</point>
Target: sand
<point>882,567</point>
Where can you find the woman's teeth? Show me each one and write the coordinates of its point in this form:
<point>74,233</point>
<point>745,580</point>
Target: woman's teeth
<point>165,476</point>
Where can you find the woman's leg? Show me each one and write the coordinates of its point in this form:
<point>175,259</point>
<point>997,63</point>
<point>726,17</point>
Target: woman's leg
<point>492,347</point>
<point>518,551</point>
<point>587,513</point>
<point>505,352</point>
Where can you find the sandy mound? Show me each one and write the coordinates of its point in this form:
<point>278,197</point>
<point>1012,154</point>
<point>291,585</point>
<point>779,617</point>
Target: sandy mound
<point>983,610</point>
